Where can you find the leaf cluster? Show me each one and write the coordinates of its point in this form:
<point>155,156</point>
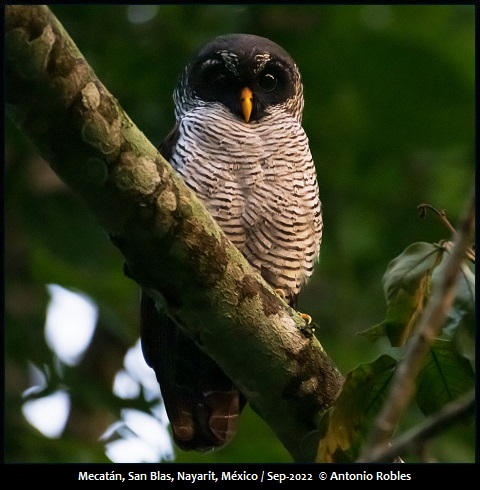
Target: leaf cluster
<point>447,371</point>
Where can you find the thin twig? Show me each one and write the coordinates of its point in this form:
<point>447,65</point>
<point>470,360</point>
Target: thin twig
<point>422,208</point>
<point>441,214</point>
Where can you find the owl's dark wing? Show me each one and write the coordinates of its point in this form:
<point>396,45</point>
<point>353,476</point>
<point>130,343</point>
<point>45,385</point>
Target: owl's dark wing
<point>167,146</point>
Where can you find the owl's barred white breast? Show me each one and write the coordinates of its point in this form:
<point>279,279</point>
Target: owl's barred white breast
<point>258,181</point>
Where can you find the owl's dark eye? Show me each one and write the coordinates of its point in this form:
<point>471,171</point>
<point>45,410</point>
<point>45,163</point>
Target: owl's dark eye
<point>219,80</point>
<point>267,82</point>
<point>216,77</point>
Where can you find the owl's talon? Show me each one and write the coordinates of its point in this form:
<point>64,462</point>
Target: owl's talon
<point>307,318</point>
<point>281,294</point>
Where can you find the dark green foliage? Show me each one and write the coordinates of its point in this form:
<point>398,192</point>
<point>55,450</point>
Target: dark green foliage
<point>345,426</point>
<point>444,377</point>
<point>446,373</point>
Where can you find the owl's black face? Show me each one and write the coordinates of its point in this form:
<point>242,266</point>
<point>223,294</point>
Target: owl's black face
<point>221,77</point>
<point>237,67</point>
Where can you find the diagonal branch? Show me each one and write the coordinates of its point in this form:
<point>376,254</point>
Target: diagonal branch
<point>172,247</point>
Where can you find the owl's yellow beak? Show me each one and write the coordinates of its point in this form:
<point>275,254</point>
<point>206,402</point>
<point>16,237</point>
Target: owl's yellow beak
<point>246,98</point>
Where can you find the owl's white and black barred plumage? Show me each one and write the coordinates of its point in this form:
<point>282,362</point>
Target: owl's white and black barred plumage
<point>256,176</point>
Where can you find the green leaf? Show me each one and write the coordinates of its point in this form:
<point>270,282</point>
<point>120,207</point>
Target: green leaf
<point>406,285</point>
<point>374,333</point>
<point>346,425</point>
<point>444,377</point>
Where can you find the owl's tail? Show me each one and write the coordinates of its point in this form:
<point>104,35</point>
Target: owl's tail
<point>202,403</point>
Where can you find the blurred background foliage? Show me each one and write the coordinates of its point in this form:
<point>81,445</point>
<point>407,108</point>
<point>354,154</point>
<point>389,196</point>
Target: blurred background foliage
<point>389,111</point>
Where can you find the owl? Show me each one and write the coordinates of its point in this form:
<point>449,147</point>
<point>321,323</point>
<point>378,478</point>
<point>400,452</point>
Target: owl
<point>238,143</point>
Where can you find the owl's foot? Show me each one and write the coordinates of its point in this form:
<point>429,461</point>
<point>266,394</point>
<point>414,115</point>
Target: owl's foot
<point>309,327</point>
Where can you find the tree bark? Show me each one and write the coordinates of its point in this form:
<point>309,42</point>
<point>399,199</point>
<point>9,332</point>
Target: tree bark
<point>172,246</point>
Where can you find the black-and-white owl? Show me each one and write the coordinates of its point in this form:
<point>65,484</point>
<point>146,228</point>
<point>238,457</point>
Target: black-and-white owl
<point>239,144</point>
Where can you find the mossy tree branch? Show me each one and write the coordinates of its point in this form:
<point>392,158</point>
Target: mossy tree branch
<point>172,246</point>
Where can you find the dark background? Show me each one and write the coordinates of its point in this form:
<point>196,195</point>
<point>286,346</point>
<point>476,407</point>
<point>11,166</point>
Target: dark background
<point>389,111</point>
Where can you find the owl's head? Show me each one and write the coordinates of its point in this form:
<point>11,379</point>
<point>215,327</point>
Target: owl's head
<point>250,75</point>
